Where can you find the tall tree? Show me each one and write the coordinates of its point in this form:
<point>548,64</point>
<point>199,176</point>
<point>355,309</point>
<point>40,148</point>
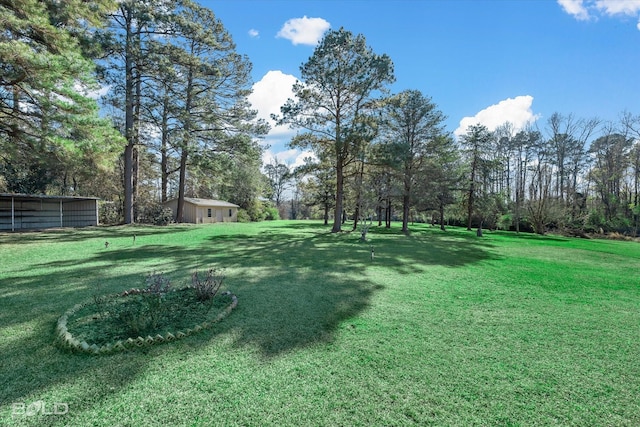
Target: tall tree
<point>215,116</point>
<point>521,146</point>
<point>280,177</point>
<point>243,183</point>
<point>611,153</point>
<point>411,125</point>
<point>335,94</point>
<point>440,177</point>
<point>317,185</point>
<point>540,194</point>
<point>161,113</point>
<point>48,124</point>
<point>133,24</point>
<point>477,142</point>
<point>567,140</point>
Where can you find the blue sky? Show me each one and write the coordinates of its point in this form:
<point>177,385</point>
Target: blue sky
<point>480,61</point>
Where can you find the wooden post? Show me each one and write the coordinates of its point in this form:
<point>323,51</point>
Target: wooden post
<point>13,215</point>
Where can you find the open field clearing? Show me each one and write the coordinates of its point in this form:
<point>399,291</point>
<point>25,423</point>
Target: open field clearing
<point>440,328</point>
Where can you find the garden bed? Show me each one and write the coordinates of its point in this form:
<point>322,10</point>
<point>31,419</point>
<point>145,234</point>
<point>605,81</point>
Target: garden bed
<point>139,318</point>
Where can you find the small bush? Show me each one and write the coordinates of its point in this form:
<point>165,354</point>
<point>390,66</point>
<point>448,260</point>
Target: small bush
<point>146,312</point>
<point>255,211</point>
<point>134,319</point>
<point>156,214</point>
<point>271,213</point>
<point>505,221</point>
<point>595,222</point>
<point>109,213</point>
<point>619,236</point>
<point>157,284</point>
<point>243,216</point>
<point>206,288</point>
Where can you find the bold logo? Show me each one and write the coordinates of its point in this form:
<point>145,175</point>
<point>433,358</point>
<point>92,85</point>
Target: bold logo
<point>39,407</point>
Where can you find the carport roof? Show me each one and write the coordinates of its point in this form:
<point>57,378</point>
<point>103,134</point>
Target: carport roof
<point>43,196</point>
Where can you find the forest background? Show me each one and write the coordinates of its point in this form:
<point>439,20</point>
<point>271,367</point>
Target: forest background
<point>177,123</point>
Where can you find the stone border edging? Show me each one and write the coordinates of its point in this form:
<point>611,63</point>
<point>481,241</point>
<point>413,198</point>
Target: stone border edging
<point>67,340</point>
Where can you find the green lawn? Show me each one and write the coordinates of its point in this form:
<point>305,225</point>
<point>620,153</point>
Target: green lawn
<point>441,328</point>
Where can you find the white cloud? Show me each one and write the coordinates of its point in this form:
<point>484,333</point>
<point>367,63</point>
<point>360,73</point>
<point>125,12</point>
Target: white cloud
<point>304,30</point>
<point>269,94</point>
<point>93,93</point>
<point>516,111</point>
<point>254,33</point>
<point>576,8</point>
<point>291,157</point>
<point>619,7</point>
<point>584,10</point>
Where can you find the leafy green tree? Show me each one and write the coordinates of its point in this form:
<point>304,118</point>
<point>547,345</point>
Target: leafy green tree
<point>383,181</point>
<point>611,154</point>
<point>215,113</point>
<point>126,44</point>
<point>243,184</point>
<point>540,203</point>
<point>439,178</point>
<point>477,144</point>
<point>317,185</point>
<point>279,176</point>
<point>521,147</point>
<point>333,99</point>
<point>48,123</point>
<point>411,126</point>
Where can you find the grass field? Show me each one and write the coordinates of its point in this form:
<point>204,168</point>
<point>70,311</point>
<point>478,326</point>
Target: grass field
<point>441,328</point>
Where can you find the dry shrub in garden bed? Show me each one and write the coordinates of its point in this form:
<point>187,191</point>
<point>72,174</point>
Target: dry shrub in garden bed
<point>143,317</point>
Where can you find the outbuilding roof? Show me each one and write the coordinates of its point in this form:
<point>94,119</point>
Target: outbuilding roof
<point>210,202</point>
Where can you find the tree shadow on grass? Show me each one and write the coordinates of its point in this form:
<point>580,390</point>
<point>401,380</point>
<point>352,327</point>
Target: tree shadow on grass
<point>81,234</point>
<point>296,284</point>
<point>33,369</point>
<point>325,251</point>
<point>278,313</point>
<point>307,285</point>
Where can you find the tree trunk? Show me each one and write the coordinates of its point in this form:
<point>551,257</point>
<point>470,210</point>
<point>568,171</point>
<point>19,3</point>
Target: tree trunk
<point>470,208</point>
<point>388,214</point>
<point>128,124</point>
<point>472,190</point>
<point>136,179</point>
<point>185,149</point>
<point>359,179</point>
<point>136,129</point>
<point>181,186</point>
<point>406,200</point>
<point>326,213</point>
<point>356,215</point>
<point>405,213</point>
<point>337,214</point>
<point>164,156</point>
<point>441,216</point>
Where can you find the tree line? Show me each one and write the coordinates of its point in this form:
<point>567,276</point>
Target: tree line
<point>387,156</point>
<point>175,122</point>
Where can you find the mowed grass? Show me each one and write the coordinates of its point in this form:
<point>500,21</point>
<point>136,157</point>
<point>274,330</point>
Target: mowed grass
<point>440,328</point>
